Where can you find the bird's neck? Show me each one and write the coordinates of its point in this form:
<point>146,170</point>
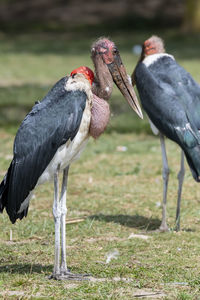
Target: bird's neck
<point>100,115</point>
<point>103,84</point>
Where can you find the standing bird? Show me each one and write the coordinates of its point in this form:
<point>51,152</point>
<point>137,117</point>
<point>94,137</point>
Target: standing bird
<point>171,99</point>
<point>54,134</point>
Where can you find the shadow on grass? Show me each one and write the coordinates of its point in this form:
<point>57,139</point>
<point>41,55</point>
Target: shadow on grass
<point>25,268</point>
<point>134,221</point>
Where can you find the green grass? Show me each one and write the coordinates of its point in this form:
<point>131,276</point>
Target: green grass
<point>117,192</point>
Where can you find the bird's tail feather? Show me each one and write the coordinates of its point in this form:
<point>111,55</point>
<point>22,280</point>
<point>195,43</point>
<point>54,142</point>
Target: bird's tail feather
<point>193,159</point>
<point>4,190</point>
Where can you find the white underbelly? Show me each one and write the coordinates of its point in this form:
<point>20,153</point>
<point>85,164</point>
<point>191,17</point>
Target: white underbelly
<point>153,127</point>
<point>64,156</point>
<point>69,152</point>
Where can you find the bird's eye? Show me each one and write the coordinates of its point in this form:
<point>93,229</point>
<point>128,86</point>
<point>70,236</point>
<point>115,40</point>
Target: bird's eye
<point>115,50</point>
<point>73,75</point>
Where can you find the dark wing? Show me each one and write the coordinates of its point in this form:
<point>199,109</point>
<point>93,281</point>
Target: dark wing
<point>187,89</point>
<point>50,124</point>
<point>159,101</point>
<point>166,107</point>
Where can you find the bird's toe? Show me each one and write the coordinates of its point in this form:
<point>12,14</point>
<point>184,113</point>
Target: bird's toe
<point>163,228</point>
<point>67,275</point>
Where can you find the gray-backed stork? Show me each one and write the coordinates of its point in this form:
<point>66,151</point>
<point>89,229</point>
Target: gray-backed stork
<point>54,134</point>
<point>171,99</point>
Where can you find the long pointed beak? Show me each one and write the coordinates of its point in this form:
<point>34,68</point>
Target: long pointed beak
<point>120,78</point>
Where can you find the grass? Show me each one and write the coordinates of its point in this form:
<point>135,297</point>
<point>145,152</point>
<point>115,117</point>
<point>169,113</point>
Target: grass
<point>118,193</point>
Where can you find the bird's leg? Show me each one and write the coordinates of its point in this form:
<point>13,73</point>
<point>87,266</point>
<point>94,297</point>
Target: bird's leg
<point>180,184</point>
<point>63,268</point>
<point>64,273</point>
<point>57,216</point>
<point>163,226</point>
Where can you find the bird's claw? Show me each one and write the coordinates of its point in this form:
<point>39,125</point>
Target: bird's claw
<point>163,228</point>
<point>67,275</point>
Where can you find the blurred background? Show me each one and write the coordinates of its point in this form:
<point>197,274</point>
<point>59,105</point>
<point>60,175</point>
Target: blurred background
<point>43,40</point>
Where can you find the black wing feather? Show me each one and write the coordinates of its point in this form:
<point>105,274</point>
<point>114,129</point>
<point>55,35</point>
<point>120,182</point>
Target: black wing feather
<point>171,99</point>
<point>49,125</point>
<point>186,88</point>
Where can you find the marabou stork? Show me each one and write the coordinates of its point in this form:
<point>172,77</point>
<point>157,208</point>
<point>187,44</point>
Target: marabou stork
<point>54,134</point>
<point>171,99</point>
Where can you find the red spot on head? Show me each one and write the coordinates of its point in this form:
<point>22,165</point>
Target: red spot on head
<point>153,45</point>
<point>108,44</point>
<point>104,47</point>
<point>87,72</point>
<point>103,44</point>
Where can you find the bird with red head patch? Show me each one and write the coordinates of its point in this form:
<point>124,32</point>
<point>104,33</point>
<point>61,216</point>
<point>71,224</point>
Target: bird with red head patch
<point>54,134</point>
<point>171,99</point>
<point>88,73</point>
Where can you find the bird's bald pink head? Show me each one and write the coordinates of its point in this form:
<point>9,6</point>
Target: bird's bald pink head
<point>105,48</point>
<point>87,72</point>
<point>153,45</point>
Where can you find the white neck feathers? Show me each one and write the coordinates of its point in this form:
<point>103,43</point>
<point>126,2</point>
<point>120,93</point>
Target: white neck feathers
<point>151,59</point>
<point>78,82</point>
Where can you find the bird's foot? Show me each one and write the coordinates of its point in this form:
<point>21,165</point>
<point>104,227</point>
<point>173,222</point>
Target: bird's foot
<point>177,227</point>
<point>67,275</point>
<point>163,228</point>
